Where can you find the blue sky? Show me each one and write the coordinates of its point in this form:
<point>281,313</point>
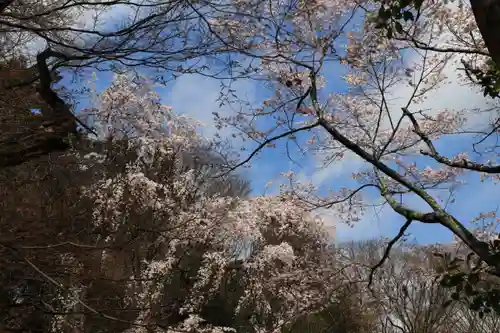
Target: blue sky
<point>196,96</point>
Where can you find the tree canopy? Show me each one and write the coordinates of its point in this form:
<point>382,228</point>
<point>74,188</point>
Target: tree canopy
<point>121,215</point>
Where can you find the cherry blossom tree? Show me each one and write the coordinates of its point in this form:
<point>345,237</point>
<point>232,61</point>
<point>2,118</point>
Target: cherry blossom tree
<point>289,46</point>
<point>286,267</point>
<point>486,15</point>
<point>396,138</point>
<point>69,37</point>
<point>161,238</point>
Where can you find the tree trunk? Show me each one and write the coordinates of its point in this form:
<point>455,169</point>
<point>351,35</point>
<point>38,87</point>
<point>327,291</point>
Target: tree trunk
<point>487,15</point>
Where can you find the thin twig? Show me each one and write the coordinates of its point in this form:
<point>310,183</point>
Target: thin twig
<point>387,251</point>
<point>265,143</point>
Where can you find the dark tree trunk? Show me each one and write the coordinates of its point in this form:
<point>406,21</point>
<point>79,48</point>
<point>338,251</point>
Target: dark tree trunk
<point>487,15</point>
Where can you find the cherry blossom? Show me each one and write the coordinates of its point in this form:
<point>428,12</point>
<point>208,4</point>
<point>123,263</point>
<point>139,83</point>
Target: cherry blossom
<point>130,109</point>
<point>385,117</point>
<point>282,246</point>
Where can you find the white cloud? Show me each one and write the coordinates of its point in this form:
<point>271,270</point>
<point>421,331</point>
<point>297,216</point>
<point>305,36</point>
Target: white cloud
<point>196,96</point>
<point>319,175</point>
<point>96,18</point>
<point>381,221</point>
<point>372,225</point>
<point>453,94</point>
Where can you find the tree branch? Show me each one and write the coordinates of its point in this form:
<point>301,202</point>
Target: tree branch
<point>49,134</point>
<point>265,143</point>
<point>463,164</point>
<point>62,287</point>
<point>438,216</point>
<point>388,249</point>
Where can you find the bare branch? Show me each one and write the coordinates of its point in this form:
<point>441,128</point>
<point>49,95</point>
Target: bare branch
<point>388,249</point>
<point>265,143</point>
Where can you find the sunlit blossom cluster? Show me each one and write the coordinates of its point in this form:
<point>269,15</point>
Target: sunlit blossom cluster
<point>131,109</point>
<point>279,241</point>
<point>281,244</point>
<point>385,118</point>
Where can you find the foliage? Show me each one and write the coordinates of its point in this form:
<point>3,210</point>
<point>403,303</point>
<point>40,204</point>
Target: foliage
<point>149,239</point>
<point>489,78</point>
<point>408,294</point>
<point>383,120</point>
<point>134,210</point>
